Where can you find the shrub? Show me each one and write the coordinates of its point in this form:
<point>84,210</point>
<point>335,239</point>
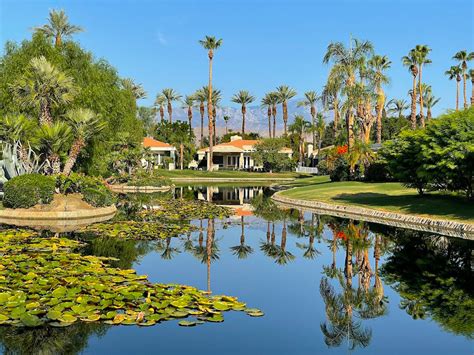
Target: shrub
<point>93,189</point>
<point>98,197</point>
<point>378,172</point>
<point>147,179</point>
<point>340,171</point>
<point>25,191</point>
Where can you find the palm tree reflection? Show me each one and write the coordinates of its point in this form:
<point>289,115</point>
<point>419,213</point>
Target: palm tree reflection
<point>242,250</point>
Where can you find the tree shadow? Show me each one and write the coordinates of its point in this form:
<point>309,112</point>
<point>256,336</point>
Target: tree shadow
<point>435,205</point>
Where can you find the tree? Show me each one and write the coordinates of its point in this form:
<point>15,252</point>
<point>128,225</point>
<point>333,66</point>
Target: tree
<point>84,123</point>
<point>330,97</point>
<point>379,64</point>
<point>320,129</point>
<point>19,129</point>
<point>268,154</point>
<point>398,107</point>
<point>226,119</point>
<point>471,75</point>
<point>299,128</point>
<point>147,116</point>
<point>201,97</point>
<point>410,61</point>
<point>43,87</point>
<point>55,139</point>
<point>188,104</point>
<point>267,102</point>
<point>421,52</point>
<point>137,90</point>
<point>211,44</point>
<point>243,98</point>
<point>463,57</point>
<point>170,95</point>
<point>58,27</point>
<point>242,251</point>
<point>430,101</point>
<point>179,135</point>
<point>285,93</point>
<point>455,73</point>
<point>159,104</point>
<point>216,99</point>
<point>311,97</point>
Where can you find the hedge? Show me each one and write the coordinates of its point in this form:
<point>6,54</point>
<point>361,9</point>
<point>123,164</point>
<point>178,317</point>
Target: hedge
<point>25,191</point>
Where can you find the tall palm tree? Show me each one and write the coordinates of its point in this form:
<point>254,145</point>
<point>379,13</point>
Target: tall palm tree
<point>285,93</point>
<point>471,75</point>
<point>455,73</point>
<point>267,102</point>
<point>159,103</point>
<point>242,251</point>
<point>320,128</point>
<point>243,97</point>
<point>410,61</point>
<point>379,64</point>
<point>421,52</point>
<point>398,107</point>
<point>170,95</point>
<point>58,27</point>
<point>137,90</point>
<point>201,98</point>
<point>463,57</point>
<point>211,44</point>
<point>84,124</point>
<point>43,87</point>
<point>55,139</point>
<point>347,62</point>
<point>299,127</point>
<point>216,99</point>
<point>188,104</point>
<point>311,97</point>
<point>274,101</point>
<point>226,119</point>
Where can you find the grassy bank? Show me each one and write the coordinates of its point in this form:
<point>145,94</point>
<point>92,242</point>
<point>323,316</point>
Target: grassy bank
<point>391,197</point>
<point>195,174</point>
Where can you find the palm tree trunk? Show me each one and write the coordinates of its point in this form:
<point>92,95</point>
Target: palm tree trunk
<point>313,118</point>
<point>226,130</point>
<point>190,119</point>
<point>269,114</point>
<point>243,120</point>
<point>170,112</point>
<point>380,105</point>
<point>209,113</point>
<point>464,87</point>
<point>45,114</point>
<point>413,104</point>
<point>58,40</point>
<point>350,130</point>
<point>201,111</point>
<point>422,114</point>
<point>285,116</point>
<point>274,121</point>
<point>181,155</point>
<point>162,114</point>
<point>472,91</point>
<point>428,114</point>
<point>457,95</point>
<point>78,144</point>
<point>55,163</point>
<point>336,116</point>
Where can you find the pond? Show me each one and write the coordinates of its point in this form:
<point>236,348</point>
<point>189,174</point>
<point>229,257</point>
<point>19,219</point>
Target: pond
<point>324,284</point>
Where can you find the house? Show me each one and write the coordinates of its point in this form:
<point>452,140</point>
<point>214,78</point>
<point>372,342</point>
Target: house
<point>163,153</point>
<point>234,155</point>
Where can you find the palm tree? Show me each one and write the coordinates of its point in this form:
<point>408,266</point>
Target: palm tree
<point>347,62</point>
<point>421,55</point>
<point>43,87</point>
<point>226,119</point>
<point>455,73</point>
<point>200,96</point>
<point>58,27</point>
<point>463,57</point>
<point>170,95</point>
<point>285,93</point>
<point>299,127</point>
<point>410,61</point>
<point>471,75</point>
<point>320,128</point>
<point>379,64</point>
<point>330,96</point>
<point>136,89</point>
<point>211,44</point>
<point>188,104</point>
<point>216,99</point>
<point>268,103</point>
<point>282,256</point>
<point>159,103</point>
<point>84,124</point>
<point>55,139</point>
<point>242,251</point>
<point>360,155</point>
<point>274,101</point>
<point>311,97</point>
<point>397,106</point>
<point>430,102</point>
<point>19,129</point>
<point>243,98</point>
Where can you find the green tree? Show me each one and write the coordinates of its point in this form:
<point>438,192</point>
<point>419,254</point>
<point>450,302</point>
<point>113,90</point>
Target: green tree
<point>455,73</point>
<point>398,107</point>
<point>270,101</point>
<point>43,87</point>
<point>211,44</point>
<point>85,124</point>
<point>299,128</point>
<point>55,139</point>
<point>147,116</point>
<point>160,105</point>
<point>311,98</point>
<point>137,90</point>
<point>170,95</point>
<point>471,75</point>
<point>201,98</point>
<point>19,129</point>
<point>379,64</point>
<point>243,98</point>
<point>463,57</point>
<point>226,119</point>
<point>320,129</point>
<point>421,52</point>
<point>179,135</point>
<point>268,154</point>
<point>285,93</point>
<point>188,104</point>
<point>58,27</point>
<point>410,61</point>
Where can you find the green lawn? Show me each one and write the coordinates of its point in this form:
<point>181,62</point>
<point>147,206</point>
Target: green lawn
<point>383,196</point>
<point>225,174</point>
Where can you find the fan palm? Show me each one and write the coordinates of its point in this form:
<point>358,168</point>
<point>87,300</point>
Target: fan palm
<point>397,106</point>
<point>421,52</point>
<point>429,100</point>
<point>285,93</point>
<point>268,104</point>
<point>136,89</point>
<point>58,27</point>
<point>170,95</point>
<point>201,98</point>
<point>471,75</point>
<point>299,127</point>
<point>379,64</point>
<point>463,57</point>
<point>85,124</point>
<point>320,128</point>
<point>274,100</point>
<point>211,44</point>
<point>159,103</point>
<point>43,87</point>
<point>216,99</point>
<point>311,97</point>
<point>455,73</point>
<point>282,256</point>
<point>410,61</point>
<point>188,104</point>
<point>243,97</point>
<point>242,250</point>
<point>361,155</point>
<point>55,139</point>
<point>19,128</point>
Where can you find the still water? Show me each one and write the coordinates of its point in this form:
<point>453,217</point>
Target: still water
<point>326,285</point>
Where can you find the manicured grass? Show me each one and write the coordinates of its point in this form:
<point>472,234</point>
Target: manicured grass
<point>225,174</point>
<point>391,197</point>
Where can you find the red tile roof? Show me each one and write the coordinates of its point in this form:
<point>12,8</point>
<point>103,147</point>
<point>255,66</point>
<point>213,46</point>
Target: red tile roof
<point>153,143</point>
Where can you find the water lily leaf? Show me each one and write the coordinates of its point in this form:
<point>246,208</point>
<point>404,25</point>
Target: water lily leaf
<point>187,323</point>
<point>254,312</point>
<point>53,314</point>
<point>91,318</point>
<point>30,320</point>
<point>59,292</point>
<point>221,306</point>
<point>67,318</point>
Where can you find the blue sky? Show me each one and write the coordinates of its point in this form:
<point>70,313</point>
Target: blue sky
<point>266,43</point>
